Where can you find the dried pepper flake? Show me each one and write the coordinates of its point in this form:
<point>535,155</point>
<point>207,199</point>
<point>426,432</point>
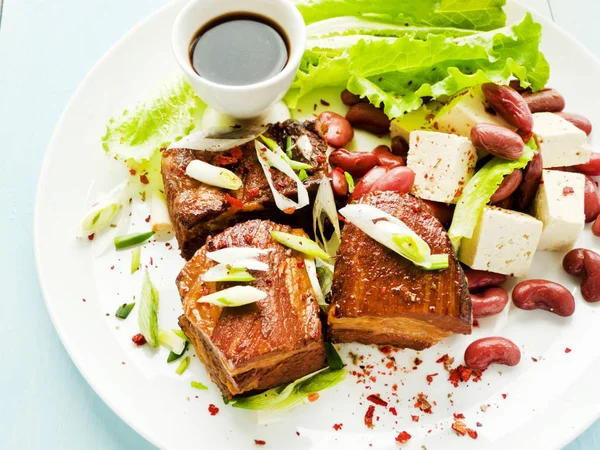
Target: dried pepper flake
<point>459,427</point>
<point>144,179</point>
<point>139,339</point>
<point>222,160</point>
<point>259,442</point>
<point>234,201</point>
<point>504,396</point>
<point>414,418</point>
<point>252,194</point>
<point>369,416</point>
<point>423,404</point>
<point>393,411</point>
<point>385,349</point>
<point>403,437</point>
<point>91,236</point>
<point>213,410</point>
<point>567,350</point>
<point>459,416</point>
<point>377,400</point>
<point>337,426</point>
<point>313,397</point>
<point>290,210</point>
<point>472,433</point>
<point>418,361</point>
<point>236,152</point>
<point>429,377</point>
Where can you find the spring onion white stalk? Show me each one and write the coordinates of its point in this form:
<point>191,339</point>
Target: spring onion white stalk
<point>103,212</point>
<point>324,209</point>
<point>305,146</point>
<point>224,272</point>
<point>394,234</point>
<point>268,159</point>
<point>159,214</point>
<point>275,148</point>
<point>213,175</point>
<point>170,340</point>
<point>311,270</point>
<point>136,255</point>
<point>240,257</point>
<point>300,243</point>
<point>148,312</point>
<point>228,138</point>
<point>234,296</point>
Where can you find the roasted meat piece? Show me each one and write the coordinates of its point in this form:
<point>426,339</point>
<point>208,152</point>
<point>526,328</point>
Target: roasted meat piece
<point>378,297</point>
<point>198,210</point>
<point>260,345</point>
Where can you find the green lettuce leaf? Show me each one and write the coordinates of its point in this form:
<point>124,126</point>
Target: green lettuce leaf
<point>399,73</point>
<point>468,14</point>
<point>136,136</point>
<point>479,191</point>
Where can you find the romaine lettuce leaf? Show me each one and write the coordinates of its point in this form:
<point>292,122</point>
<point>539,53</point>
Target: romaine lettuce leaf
<point>468,14</point>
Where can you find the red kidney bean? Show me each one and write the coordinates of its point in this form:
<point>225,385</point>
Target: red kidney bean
<point>338,183</point>
<point>335,129</point>
<point>350,99</point>
<point>367,117</point>
<point>482,353</point>
<point>591,168</point>
<point>398,179</point>
<point>497,141</point>
<point>507,203</point>
<point>509,185</point>
<point>489,302</point>
<point>366,183</point>
<point>585,264</point>
<point>386,158</point>
<point>596,227</point>
<point>509,105</point>
<point>546,100</point>
<point>591,200</point>
<point>479,279</point>
<point>441,211</point>
<point>578,120</point>
<point>399,146</point>
<point>544,294</point>
<point>532,176</point>
<point>355,163</point>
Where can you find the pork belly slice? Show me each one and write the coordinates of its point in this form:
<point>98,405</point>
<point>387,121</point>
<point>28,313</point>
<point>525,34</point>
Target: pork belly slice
<point>264,344</point>
<point>198,210</point>
<point>379,297</point>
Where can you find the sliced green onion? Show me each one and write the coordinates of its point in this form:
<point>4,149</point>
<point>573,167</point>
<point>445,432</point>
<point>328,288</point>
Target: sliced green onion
<point>311,270</point>
<point>325,274</point>
<point>235,256</point>
<point>169,339</point>
<point>300,243</point>
<point>174,356</point>
<point>148,312</point>
<point>305,146</point>
<point>350,182</point>
<point>325,210</point>
<point>129,240</point>
<point>288,147</point>
<point>181,334</point>
<point>124,310</point>
<point>101,214</point>
<point>198,385</point>
<point>290,395</point>
<point>136,255</point>
<point>333,357</point>
<point>213,175</point>
<point>394,234</point>
<point>274,147</point>
<point>183,365</point>
<point>224,272</point>
<point>234,296</point>
<point>302,175</point>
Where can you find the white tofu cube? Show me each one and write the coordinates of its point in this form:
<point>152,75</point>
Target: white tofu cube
<point>443,165</point>
<point>503,242</point>
<point>561,143</point>
<point>559,204</point>
<point>464,112</point>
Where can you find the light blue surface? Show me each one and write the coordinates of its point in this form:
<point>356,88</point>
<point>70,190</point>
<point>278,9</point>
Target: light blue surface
<point>46,48</point>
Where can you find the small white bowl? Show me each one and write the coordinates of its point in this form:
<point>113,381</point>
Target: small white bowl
<point>249,101</point>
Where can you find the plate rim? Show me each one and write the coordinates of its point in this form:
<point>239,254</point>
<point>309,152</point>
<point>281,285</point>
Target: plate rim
<point>576,429</point>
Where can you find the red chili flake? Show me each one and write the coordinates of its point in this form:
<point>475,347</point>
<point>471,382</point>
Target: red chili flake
<point>91,236</point>
<point>385,349</point>
<point>132,172</point>
<point>423,404</point>
<point>313,397</point>
<point>144,179</point>
<point>459,427</point>
<point>139,339</point>
<point>320,158</point>
<point>338,426</point>
<point>377,400</point>
<point>442,359</point>
<point>252,194</point>
<point>534,359</point>
<point>236,152</point>
<point>222,160</point>
<point>324,103</point>
<point>393,411</point>
<point>369,416</point>
<point>472,433</point>
<point>403,437</point>
<point>567,350</point>
<point>504,396</point>
<point>418,362</point>
<point>395,387</point>
<point>429,378</point>
<point>259,442</point>
<point>151,261</point>
<point>234,201</point>
<point>147,219</point>
<point>290,210</point>
<point>297,433</point>
<point>475,323</point>
<point>567,190</point>
<point>112,267</point>
<point>459,415</point>
<point>461,373</point>
<point>300,264</point>
<point>213,410</point>
<point>414,418</point>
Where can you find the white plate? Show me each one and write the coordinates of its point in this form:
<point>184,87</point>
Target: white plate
<point>548,403</point>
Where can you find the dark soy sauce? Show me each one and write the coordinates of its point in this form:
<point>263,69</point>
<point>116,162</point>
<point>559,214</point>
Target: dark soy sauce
<point>239,49</point>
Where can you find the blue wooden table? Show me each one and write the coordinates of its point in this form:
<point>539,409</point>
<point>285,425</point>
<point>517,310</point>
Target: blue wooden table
<point>46,48</point>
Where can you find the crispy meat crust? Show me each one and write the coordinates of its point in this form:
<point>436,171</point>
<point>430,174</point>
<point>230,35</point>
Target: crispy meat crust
<point>378,297</point>
<point>261,345</point>
<point>198,210</point>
